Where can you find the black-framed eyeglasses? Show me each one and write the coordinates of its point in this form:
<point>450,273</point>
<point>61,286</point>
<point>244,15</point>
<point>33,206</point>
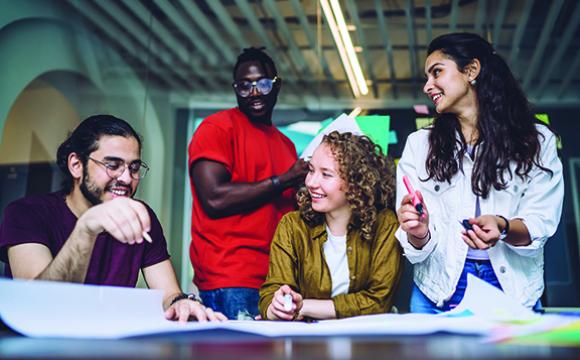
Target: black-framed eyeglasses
<point>263,85</point>
<point>116,167</point>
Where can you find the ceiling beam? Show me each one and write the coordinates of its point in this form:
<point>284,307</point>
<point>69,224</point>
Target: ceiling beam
<point>428,21</point>
<point>109,28</point>
<point>144,38</point>
<point>480,15</point>
<point>194,37</point>
<point>498,22</point>
<point>542,42</point>
<point>518,35</point>
<point>295,53</point>
<point>353,12</point>
<point>453,15</point>
<point>305,77</point>
<point>410,17</point>
<point>209,29</point>
<point>257,27</point>
<point>563,44</point>
<point>384,32</point>
<point>228,23</point>
<point>298,10</point>
<point>160,31</point>
<point>572,71</point>
<point>272,50</point>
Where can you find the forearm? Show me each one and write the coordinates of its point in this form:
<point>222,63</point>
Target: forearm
<point>72,262</point>
<point>233,198</point>
<point>318,309</point>
<point>518,234</point>
<point>162,276</point>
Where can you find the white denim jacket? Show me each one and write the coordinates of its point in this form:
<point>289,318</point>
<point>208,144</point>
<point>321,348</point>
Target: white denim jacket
<point>536,200</point>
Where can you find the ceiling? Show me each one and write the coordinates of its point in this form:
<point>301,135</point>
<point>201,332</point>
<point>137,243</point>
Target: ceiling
<point>188,48</point>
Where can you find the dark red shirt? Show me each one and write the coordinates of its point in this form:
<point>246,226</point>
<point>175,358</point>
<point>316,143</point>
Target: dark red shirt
<point>48,220</point>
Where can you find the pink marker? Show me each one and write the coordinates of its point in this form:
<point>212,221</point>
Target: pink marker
<point>416,202</point>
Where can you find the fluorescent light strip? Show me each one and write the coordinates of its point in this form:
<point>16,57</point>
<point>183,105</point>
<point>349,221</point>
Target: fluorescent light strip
<point>347,42</point>
<point>341,50</point>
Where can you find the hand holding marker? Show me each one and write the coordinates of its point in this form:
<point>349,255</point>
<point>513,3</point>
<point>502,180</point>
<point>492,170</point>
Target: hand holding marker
<point>466,225</point>
<point>416,201</point>
<point>287,302</point>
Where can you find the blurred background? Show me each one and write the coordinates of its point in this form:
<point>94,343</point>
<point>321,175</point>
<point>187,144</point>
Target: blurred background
<point>163,65</point>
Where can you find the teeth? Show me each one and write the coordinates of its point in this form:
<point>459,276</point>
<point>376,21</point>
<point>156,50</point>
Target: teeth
<point>436,97</point>
<point>316,196</point>
<point>119,192</point>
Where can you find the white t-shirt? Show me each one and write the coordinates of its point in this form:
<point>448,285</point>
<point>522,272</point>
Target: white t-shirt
<point>335,255</point>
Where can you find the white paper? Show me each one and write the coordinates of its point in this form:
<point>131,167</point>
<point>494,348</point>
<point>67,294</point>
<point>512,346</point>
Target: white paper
<point>64,310</point>
<point>486,301</point>
<point>343,123</point>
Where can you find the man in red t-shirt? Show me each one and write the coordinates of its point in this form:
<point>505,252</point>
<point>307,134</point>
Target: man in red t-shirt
<point>242,171</point>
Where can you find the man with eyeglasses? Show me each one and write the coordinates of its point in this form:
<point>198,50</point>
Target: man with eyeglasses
<point>93,231</point>
<point>243,171</point>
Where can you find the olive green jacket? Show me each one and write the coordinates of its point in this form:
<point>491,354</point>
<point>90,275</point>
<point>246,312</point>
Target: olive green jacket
<point>297,260</point>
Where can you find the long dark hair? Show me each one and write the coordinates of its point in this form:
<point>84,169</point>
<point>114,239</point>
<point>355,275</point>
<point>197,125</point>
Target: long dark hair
<point>506,124</point>
<point>85,139</point>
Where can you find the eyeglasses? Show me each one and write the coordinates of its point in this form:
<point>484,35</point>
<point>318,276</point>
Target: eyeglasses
<point>116,167</point>
<point>263,85</point>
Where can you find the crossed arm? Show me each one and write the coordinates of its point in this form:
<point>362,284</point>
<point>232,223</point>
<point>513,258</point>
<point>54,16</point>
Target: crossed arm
<point>221,197</point>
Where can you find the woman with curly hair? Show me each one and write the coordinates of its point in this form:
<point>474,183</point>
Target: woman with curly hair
<point>488,175</point>
<point>337,256</point>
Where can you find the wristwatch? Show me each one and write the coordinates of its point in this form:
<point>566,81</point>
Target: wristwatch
<point>504,233</point>
<point>182,296</point>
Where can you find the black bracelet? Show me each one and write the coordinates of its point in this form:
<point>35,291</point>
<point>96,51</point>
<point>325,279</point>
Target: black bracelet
<point>506,229</point>
<point>276,182</point>
<point>183,296</point>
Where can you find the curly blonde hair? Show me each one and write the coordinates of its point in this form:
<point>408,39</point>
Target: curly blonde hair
<point>370,181</point>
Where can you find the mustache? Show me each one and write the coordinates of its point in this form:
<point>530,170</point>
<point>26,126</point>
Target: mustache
<point>118,184</point>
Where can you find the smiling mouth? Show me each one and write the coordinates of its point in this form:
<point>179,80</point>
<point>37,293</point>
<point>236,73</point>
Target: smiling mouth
<point>119,191</point>
<point>317,196</point>
<point>435,98</point>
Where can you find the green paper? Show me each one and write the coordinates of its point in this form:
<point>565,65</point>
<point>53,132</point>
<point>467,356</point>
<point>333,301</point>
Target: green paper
<point>300,140</point>
<point>423,122</point>
<point>376,127</point>
<point>393,139</point>
<point>568,335</point>
<point>543,118</point>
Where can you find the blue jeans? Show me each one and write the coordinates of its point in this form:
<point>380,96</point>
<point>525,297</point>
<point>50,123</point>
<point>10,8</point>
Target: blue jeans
<point>480,268</point>
<point>234,303</point>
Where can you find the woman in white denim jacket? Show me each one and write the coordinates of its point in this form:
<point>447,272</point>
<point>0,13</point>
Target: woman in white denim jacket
<point>485,159</point>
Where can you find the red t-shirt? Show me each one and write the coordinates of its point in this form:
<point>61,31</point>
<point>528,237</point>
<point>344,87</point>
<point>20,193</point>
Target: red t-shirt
<point>233,251</point>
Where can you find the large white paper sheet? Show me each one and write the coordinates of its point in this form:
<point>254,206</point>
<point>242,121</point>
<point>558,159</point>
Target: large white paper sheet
<point>64,310</point>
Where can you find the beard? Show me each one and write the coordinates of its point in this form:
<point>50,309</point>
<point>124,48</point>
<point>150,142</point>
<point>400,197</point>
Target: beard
<point>94,193</point>
<point>90,191</point>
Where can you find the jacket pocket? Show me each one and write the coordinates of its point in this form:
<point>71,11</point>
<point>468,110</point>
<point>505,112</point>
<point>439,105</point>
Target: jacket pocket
<point>508,200</point>
<point>441,198</point>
